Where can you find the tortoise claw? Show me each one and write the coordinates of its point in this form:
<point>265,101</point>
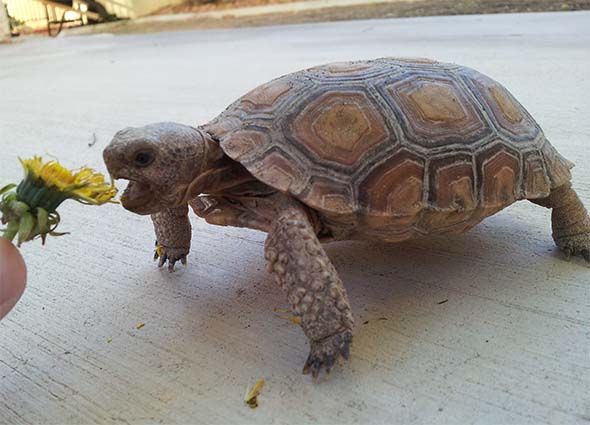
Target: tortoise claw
<point>163,254</point>
<point>325,353</point>
<point>576,246</point>
<point>163,257</point>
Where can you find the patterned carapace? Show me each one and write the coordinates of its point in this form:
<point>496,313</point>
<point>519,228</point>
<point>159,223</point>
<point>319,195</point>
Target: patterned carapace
<point>392,148</point>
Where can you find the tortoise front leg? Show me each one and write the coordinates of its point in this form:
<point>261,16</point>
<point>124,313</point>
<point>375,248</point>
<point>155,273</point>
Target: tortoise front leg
<point>173,236</point>
<point>569,221</point>
<point>314,290</point>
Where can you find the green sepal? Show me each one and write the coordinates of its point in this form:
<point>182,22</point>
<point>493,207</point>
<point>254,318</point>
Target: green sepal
<point>25,229</point>
<point>18,207</point>
<point>7,188</point>
<point>56,234</point>
<point>8,197</point>
<point>42,221</point>
<point>42,226</point>
<point>11,230</point>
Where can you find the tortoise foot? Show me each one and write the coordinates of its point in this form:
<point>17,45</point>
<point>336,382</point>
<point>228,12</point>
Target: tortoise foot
<point>325,352</point>
<point>164,254</point>
<point>576,245</point>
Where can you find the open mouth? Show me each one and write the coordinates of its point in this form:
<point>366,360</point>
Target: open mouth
<point>136,195</point>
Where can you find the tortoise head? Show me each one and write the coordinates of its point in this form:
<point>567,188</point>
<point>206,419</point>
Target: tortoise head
<point>159,160</point>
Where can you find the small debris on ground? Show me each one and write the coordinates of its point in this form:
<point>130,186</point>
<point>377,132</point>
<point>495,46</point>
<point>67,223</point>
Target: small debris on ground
<point>281,310</point>
<point>251,398</point>
<point>443,301</point>
<point>141,325</point>
<point>366,322</point>
<point>109,340</point>
<point>295,319</point>
<point>92,140</point>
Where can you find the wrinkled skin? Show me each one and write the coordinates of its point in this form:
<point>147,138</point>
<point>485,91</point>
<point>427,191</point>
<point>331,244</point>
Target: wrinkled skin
<point>173,166</point>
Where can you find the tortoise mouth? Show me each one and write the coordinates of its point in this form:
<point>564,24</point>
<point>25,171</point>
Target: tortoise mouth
<point>136,195</point>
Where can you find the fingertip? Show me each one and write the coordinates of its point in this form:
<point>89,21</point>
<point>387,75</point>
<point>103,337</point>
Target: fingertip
<point>13,276</point>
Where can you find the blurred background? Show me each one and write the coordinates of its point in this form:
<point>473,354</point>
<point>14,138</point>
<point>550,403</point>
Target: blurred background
<point>21,17</point>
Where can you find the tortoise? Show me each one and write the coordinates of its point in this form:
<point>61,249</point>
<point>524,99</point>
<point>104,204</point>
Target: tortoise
<point>387,149</point>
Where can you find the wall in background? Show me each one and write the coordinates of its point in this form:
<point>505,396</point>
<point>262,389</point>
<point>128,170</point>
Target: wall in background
<point>4,25</point>
<point>145,7</point>
<point>33,12</point>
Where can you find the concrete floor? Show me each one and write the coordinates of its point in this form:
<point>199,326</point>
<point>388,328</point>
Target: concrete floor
<point>511,345</point>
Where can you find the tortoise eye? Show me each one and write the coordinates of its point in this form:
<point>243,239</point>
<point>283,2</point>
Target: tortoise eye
<point>143,159</point>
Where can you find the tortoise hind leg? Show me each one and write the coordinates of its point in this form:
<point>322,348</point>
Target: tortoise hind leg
<point>569,221</point>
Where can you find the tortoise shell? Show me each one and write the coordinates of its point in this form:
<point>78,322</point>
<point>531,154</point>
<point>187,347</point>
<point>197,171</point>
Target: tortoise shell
<point>391,147</point>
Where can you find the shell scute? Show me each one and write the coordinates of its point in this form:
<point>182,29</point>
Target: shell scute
<point>325,194</point>
<point>509,116</point>
<point>452,183</point>
<point>339,126</point>
<point>278,170</point>
<point>499,168</point>
<point>558,168</point>
<point>536,180</point>
<point>434,110</point>
<point>394,188</point>
<point>245,144</point>
<point>266,96</point>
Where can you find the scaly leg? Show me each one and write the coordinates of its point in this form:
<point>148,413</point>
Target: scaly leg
<point>569,220</point>
<point>314,290</point>
<point>173,236</point>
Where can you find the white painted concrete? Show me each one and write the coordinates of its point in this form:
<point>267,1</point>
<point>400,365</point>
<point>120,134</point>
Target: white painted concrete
<point>511,345</point>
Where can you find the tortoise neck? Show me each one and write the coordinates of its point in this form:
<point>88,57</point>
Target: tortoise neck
<point>211,153</point>
<point>216,171</point>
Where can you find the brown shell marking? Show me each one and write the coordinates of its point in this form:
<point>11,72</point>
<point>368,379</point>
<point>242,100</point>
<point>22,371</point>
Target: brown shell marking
<point>536,181</point>
<point>435,111</point>
<point>276,170</point>
<point>244,144</point>
<point>453,194</point>
<point>509,116</point>
<point>508,108</point>
<point>394,188</point>
<point>394,147</point>
<point>437,103</point>
<point>339,127</point>
<point>329,197</point>
<point>265,96</point>
<point>500,177</point>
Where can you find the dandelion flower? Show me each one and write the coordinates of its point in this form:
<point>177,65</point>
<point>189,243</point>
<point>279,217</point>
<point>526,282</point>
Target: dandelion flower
<point>29,209</point>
